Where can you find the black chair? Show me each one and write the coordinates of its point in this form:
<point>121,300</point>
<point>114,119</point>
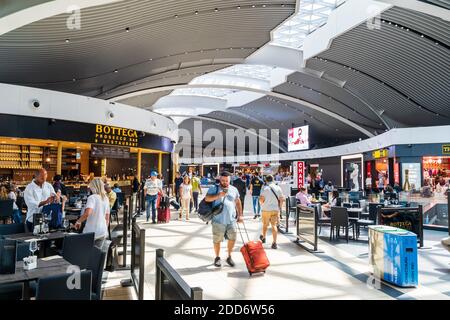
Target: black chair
<point>75,248</point>
<point>6,209</point>
<point>13,291</point>
<point>120,198</point>
<point>321,220</point>
<point>23,250</point>
<point>83,191</point>
<point>97,265</point>
<point>115,210</point>
<point>11,228</point>
<point>291,204</point>
<point>20,202</point>
<point>55,287</point>
<point>372,219</point>
<point>339,219</point>
<point>346,205</point>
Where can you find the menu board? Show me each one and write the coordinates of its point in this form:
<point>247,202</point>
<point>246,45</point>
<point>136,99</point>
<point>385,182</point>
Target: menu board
<point>111,152</point>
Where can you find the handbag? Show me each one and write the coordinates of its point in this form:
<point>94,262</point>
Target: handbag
<point>206,210</point>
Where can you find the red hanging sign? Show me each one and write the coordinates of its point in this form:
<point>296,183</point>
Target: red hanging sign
<point>300,174</point>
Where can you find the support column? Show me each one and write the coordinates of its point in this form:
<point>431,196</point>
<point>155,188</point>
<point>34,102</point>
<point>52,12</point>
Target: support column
<point>160,163</point>
<point>139,164</point>
<point>59,159</point>
<point>103,168</point>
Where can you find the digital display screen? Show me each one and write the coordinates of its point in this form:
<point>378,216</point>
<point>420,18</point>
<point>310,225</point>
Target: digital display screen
<point>298,138</point>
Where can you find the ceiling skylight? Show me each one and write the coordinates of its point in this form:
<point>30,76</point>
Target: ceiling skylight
<point>311,15</point>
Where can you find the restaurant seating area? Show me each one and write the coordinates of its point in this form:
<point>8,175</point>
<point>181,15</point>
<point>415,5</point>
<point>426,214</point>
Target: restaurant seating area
<point>194,150</point>
<point>61,253</point>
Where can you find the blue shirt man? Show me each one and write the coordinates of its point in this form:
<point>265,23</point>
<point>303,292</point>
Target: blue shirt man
<point>224,224</point>
<point>228,214</point>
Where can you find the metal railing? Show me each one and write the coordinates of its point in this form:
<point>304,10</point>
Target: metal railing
<point>138,258</point>
<point>169,284</point>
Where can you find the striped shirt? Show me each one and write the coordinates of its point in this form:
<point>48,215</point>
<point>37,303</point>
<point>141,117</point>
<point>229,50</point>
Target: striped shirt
<point>152,186</point>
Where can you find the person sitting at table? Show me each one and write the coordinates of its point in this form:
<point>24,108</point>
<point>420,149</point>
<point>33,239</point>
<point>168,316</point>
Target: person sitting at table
<point>302,197</point>
<point>112,196</point>
<point>334,202</point>
<point>328,187</point>
<point>37,194</point>
<point>116,188</point>
<point>96,213</point>
<point>58,185</point>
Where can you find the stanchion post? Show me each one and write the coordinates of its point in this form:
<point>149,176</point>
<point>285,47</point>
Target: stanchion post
<point>158,284</point>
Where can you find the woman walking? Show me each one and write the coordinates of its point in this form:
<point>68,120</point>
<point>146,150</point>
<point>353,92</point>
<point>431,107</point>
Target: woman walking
<point>186,197</point>
<point>96,213</point>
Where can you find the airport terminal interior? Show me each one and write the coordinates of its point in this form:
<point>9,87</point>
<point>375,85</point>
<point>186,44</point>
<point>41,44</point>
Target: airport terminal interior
<point>224,150</point>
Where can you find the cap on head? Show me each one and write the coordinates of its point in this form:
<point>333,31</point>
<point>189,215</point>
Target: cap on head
<point>154,174</point>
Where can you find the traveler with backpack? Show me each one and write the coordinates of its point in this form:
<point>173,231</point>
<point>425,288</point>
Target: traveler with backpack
<point>271,200</point>
<point>224,224</point>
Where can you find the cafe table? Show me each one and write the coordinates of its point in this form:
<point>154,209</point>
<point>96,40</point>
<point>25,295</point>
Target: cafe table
<point>46,267</point>
<point>43,238</point>
<point>27,236</point>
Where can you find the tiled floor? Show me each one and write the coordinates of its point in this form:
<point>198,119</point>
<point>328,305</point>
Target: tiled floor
<point>340,272</point>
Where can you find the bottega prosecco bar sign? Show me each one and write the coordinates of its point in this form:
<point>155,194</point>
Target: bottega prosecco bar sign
<point>115,136</point>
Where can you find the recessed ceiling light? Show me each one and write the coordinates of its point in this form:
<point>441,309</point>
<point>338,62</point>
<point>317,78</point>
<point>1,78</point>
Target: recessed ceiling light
<point>253,6</point>
<point>176,16</point>
<point>127,29</point>
<point>67,40</point>
<point>263,5</point>
<point>115,71</point>
<point>238,7</point>
<point>196,12</point>
<point>216,10</point>
<point>74,79</point>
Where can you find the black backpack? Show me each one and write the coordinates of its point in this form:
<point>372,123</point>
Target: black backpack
<point>206,210</point>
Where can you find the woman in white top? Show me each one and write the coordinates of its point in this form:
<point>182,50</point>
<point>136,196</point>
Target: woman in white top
<point>96,213</point>
<point>186,196</point>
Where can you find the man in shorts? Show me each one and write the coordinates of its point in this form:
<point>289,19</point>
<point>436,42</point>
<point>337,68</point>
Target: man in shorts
<point>271,200</point>
<point>224,224</point>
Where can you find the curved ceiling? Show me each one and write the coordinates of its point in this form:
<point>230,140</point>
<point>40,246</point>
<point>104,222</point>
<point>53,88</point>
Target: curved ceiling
<point>127,41</point>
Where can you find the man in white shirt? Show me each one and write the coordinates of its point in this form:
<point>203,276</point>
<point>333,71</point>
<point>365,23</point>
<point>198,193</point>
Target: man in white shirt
<point>271,200</point>
<point>151,189</point>
<point>38,194</point>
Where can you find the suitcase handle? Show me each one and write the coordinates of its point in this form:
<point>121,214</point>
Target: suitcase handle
<point>240,232</point>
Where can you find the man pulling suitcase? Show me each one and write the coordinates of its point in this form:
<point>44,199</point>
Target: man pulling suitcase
<point>224,225</point>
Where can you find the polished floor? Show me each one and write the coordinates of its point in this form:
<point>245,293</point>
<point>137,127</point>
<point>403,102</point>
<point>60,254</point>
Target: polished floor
<point>341,271</point>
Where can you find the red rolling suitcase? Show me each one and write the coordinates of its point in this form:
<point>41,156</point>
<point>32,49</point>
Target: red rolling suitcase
<point>164,211</point>
<point>254,255</point>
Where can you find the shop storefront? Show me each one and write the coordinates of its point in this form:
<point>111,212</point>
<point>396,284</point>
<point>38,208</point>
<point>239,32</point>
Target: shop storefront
<point>78,151</point>
<point>436,169</point>
<point>352,172</point>
<point>382,168</point>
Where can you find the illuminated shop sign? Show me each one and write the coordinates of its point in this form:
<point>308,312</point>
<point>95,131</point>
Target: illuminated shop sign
<point>446,149</point>
<point>115,136</point>
<point>383,153</point>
